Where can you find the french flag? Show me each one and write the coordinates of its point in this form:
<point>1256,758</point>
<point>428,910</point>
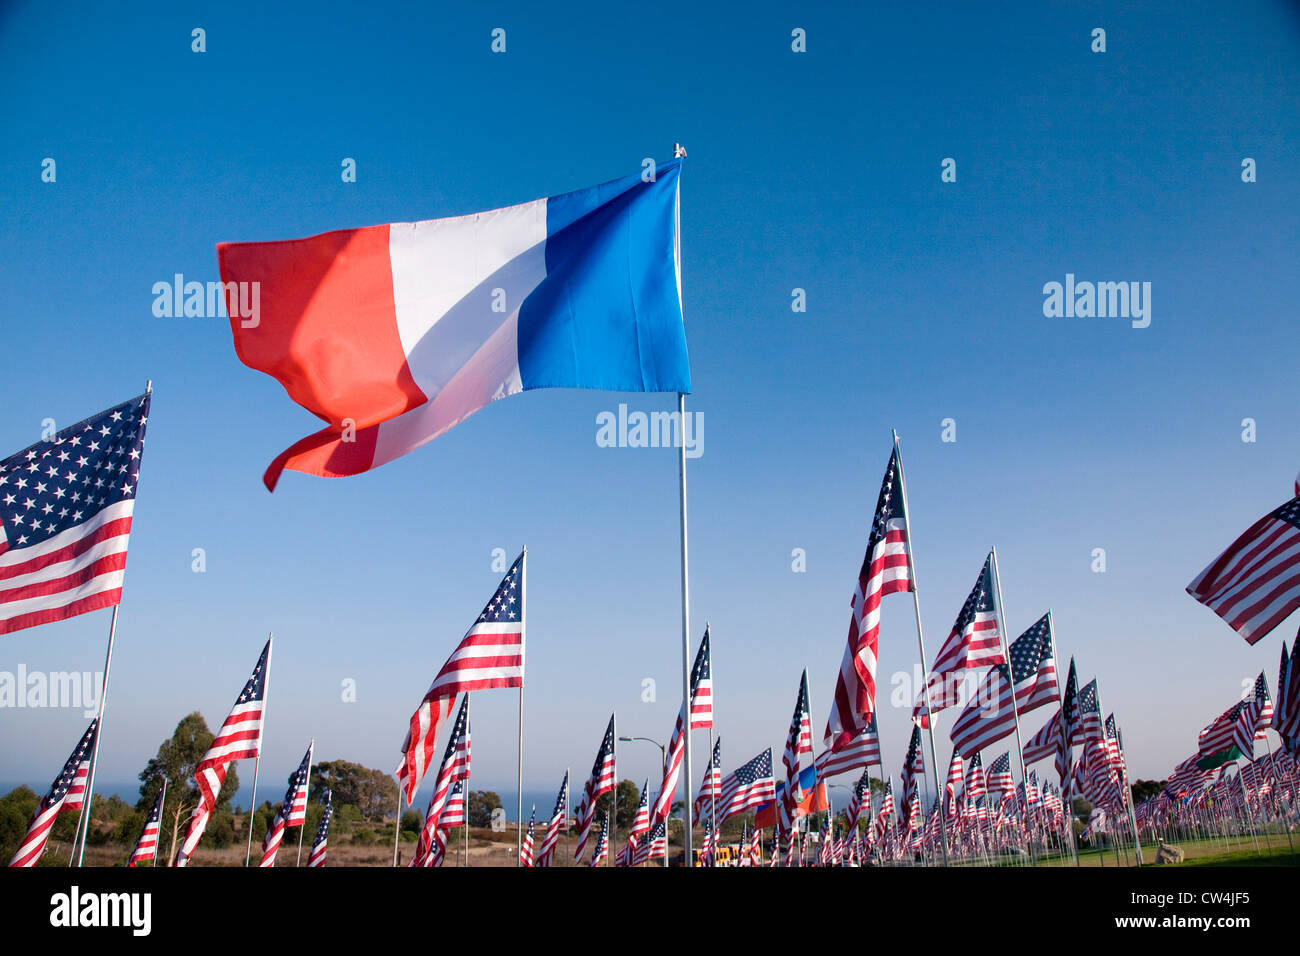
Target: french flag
<point>394,334</point>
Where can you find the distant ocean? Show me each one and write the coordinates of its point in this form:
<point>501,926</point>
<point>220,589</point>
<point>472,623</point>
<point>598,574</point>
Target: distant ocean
<point>130,792</point>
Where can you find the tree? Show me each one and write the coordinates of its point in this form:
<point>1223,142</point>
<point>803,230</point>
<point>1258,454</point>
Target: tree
<point>629,796</point>
<point>372,792</point>
<point>175,762</point>
<point>481,805</point>
<point>1145,789</point>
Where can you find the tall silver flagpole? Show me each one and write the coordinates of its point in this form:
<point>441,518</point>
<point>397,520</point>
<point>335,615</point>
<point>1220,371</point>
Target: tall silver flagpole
<point>920,642</point>
<point>1011,679</point>
<point>311,755</point>
<point>523,646</point>
<point>83,824</point>
<point>613,804</point>
<point>685,621</point>
<point>397,833</point>
<point>257,761</point>
<point>680,152</point>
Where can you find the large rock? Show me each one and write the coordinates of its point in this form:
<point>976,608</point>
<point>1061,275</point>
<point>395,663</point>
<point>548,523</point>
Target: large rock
<point>1168,854</point>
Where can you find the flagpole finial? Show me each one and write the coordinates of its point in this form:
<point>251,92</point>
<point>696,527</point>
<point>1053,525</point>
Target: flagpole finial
<point>148,386</point>
<point>679,151</point>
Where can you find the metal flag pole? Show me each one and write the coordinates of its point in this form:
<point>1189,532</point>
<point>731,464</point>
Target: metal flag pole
<point>311,754</point>
<point>613,804</point>
<point>464,789</point>
<point>564,818</point>
<point>680,152</point>
<point>920,641</point>
<point>519,769</point>
<point>1010,680</point>
<point>83,824</point>
<point>686,620</point>
<point>257,761</point>
<point>713,800</point>
<point>162,812</point>
<point>397,831</point>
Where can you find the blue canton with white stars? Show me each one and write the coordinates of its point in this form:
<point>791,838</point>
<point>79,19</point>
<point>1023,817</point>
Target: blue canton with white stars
<point>1030,651</point>
<point>63,783</point>
<point>62,481</point>
<point>256,686</point>
<point>323,831</point>
<point>506,604</point>
<point>980,599</point>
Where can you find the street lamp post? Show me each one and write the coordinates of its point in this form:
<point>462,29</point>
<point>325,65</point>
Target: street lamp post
<point>663,769</point>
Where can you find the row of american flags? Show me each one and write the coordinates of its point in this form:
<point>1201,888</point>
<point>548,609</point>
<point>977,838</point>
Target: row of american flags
<point>66,506</point>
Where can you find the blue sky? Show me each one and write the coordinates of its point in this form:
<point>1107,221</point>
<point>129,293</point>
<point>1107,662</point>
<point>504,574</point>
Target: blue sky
<point>818,171</point>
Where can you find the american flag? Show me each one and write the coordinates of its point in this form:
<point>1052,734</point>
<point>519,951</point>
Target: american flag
<point>1046,741</point>
<point>1069,717</point>
<point>292,811</point>
<point>461,763</point>
<point>1115,748</point>
<point>653,847</point>
<point>702,687</point>
<point>862,751</point>
<point>854,810</point>
<point>952,787</point>
<point>756,848</point>
<point>449,772</point>
<point>913,767</point>
<point>974,642</point>
<point>453,812</point>
<point>1255,717</point>
<point>240,738</point>
<point>601,781</point>
<point>526,849</point>
<point>712,785</point>
<point>1100,784</point>
<point>68,792</point>
<point>1085,715</point>
<point>1255,584</point>
<point>65,516</point>
<point>750,786</point>
<point>490,655</point>
<point>991,715</point>
<point>707,849</point>
<point>976,786</point>
<point>798,741</point>
<point>319,845</point>
<point>555,826</point>
<point>601,852</point>
<point>700,676</point>
<point>885,570</point>
<point>1220,733</point>
<point>147,845</point>
<point>641,820</point>
<point>1286,716</point>
<point>885,813</point>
